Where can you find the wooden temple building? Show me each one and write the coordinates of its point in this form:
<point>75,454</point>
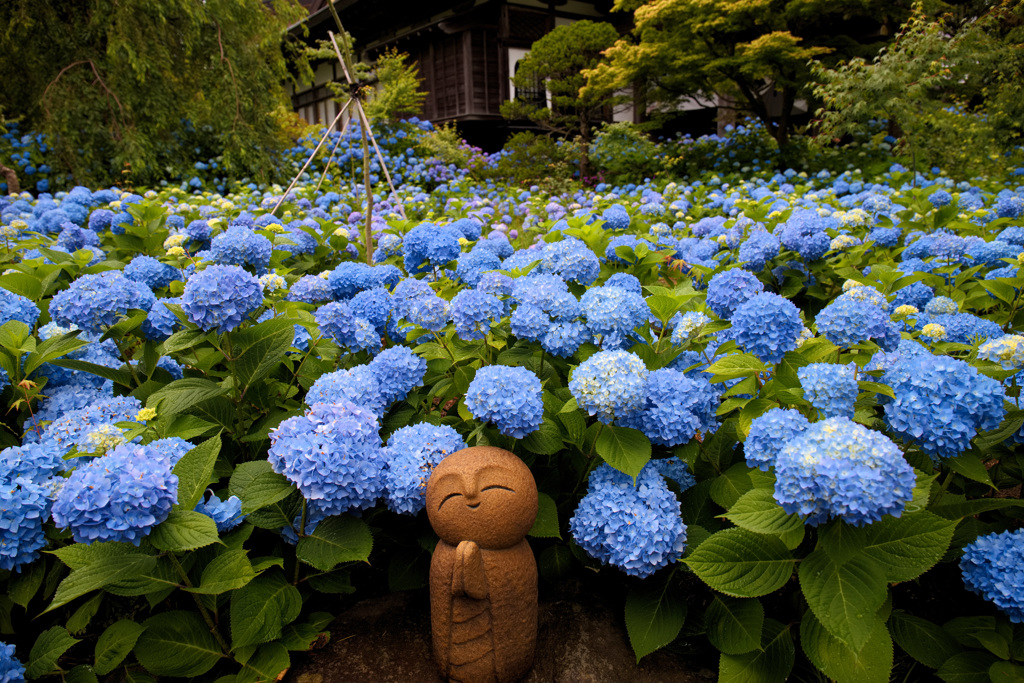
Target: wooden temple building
<point>466,53</point>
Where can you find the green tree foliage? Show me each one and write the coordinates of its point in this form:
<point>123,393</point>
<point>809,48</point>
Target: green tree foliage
<point>624,153</point>
<point>745,49</point>
<point>398,91</point>
<point>141,85</point>
<point>558,60</point>
<point>950,89</point>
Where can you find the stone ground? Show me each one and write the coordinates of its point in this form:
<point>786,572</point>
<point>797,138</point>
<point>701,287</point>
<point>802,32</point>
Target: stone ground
<point>387,639</point>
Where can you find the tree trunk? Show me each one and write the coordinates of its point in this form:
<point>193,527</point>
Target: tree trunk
<point>788,98</point>
<point>726,115</point>
<point>11,178</point>
<point>584,148</point>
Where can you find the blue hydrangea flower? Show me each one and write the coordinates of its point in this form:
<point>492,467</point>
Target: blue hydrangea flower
<point>397,370</point>
<point>497,284</point>
<point>520,259</point>
<point>332,453</point>
<point>941,403</point>
<point>916,294</point>
<point>848,321</point>
<point>838,468</point>
<point>940,198</point>
<point>161,322</point>
<point>473,312</point>
<point>728,289</point>
<point>509,397</point>
<point>1013,234</point>
<point>199,232</point>
<point>613,313</point>
<point>610,384</point>
<point>11,670</point>
<point>297,240</point>
<point>674,469</point>
<point>991,253</point>
<point>429,312</point>
<point>407,292</point>
<point>1007,350</point>
<point>150,272</point>
<point>388,245</point>
<point>564,337</point>
<point>227,514</point>
<point>99,220</point>
<point>349,278</point>
<point>173,447</point>
<point>118,497</point>
<point>471,266</point>
<point>625,281</point>
<point>767,326</point>
<point>538,289</point>
<point>804,233</point>
<point>428,245</point>
<point>97,301</point>
<point>831,389</point>
<point>59,400</point>
<point>468,228</point>
<point>1009,207</point>
<point>221,297</point>
<point>66,430</point>
<point>769,432</point>
<point>373,305</point>
<point>637,528</point>
<point>676,407</point>
<point>72,238</point>
<point>993,567</point>
<point>33,462</point>
<point>759,248</point>
<point>615,217</point>
<point>240,246</point>
<point>358,385</point>
<point>337,322</point>
<point>686,326</point>
<point>885,237</point>
<point>570,259</point>
<point>529,322</point>
<point>24,507</point>
<point>412,454</point>
<point>941,305</point>
<point>965,328</point>
<point>498,243</point>
<point>310,289</point>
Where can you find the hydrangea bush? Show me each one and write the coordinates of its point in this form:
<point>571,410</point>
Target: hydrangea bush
<point>772,410</point>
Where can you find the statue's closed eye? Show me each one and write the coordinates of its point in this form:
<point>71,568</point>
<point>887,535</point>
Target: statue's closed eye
<point>447,498</point>
<point>497,486</point>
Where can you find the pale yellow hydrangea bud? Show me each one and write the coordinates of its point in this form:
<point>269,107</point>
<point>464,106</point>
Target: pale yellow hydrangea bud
<point>905,310</point>
<point>175,241</point>
<point>103,439</point>
<point>934,331</point>
<point>850,284</point>
<point>805,335</point>
<point>145,415</point>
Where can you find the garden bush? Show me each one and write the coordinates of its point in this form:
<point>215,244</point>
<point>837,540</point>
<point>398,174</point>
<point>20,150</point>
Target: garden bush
<point>778,415</point>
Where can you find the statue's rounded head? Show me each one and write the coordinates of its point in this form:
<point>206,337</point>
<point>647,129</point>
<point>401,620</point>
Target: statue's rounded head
<point>482,494</point>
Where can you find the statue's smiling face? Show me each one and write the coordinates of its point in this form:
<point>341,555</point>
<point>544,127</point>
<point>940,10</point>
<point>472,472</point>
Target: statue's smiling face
<point>485,495</point>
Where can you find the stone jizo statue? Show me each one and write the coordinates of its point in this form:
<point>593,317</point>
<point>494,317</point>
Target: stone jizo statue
<point>482,501</point>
